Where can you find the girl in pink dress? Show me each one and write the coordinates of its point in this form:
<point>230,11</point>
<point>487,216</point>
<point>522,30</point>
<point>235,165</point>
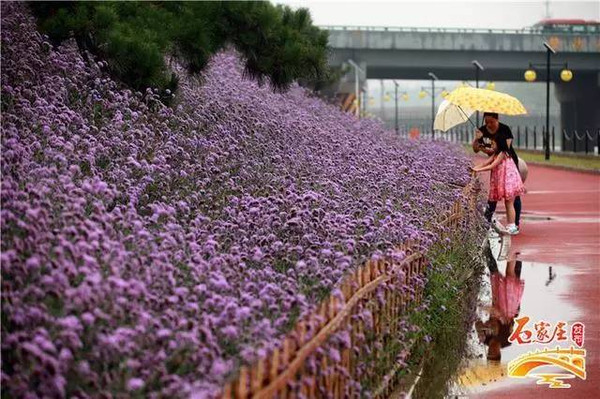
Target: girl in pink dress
<point>505,181</point>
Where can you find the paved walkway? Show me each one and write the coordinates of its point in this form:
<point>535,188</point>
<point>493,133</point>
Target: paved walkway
<point>561,227</point>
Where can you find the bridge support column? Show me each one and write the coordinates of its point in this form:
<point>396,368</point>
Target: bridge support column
<point>579,102</point>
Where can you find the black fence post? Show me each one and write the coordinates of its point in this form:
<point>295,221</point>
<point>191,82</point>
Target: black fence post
<point>534,138</point>
<point>564,140</point>
<point>526,137</point>
<point>553,139</point>
<point>575,141</point>
<point>544,138</point>
<point>586,141</point>
<point>518,136</point>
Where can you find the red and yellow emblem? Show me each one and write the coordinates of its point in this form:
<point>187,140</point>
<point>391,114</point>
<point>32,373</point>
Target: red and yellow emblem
<point>571,361</point>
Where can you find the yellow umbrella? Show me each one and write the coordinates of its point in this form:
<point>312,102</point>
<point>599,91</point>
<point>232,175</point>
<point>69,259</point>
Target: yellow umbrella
<point>486,101</point>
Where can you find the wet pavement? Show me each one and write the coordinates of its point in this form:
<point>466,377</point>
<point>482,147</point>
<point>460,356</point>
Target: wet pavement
<point>545,288</point>
<point>551,273</point>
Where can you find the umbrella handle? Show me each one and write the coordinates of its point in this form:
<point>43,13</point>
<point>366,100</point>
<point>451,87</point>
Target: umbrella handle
<point>465,114</point>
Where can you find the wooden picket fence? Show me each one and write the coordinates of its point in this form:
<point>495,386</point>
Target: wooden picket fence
<point>301,366</point>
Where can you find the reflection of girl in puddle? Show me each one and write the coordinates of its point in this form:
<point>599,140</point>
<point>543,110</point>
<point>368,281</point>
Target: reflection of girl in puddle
<point>507,292</point>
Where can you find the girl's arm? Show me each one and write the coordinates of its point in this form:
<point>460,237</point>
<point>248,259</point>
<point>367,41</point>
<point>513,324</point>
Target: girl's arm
<point>499,158</point>
<point>487,162</point>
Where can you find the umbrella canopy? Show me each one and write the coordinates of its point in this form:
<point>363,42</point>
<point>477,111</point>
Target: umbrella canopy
<point>486,101</point>
<point>450,115</point>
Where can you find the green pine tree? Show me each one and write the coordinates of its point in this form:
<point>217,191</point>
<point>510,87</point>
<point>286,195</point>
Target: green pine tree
<point>279,45</point>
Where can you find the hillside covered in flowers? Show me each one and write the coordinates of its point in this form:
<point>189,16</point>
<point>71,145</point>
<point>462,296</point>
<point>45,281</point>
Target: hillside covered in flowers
<point>152,250</point>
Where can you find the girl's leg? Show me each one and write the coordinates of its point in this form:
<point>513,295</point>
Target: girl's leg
<point>510,211</point>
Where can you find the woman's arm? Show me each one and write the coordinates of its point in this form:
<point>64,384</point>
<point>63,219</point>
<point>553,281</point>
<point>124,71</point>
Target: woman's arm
<point>475,143</point>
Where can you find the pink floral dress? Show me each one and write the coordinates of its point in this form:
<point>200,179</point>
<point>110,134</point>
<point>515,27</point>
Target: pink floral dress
<point>505,181</point>
<point>507,293</point>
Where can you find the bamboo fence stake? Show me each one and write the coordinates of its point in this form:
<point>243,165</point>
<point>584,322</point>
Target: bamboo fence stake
<point>227,392</point>
<point>242,386</point>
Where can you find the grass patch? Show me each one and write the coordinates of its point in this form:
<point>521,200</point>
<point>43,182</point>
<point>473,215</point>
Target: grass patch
<point>571,161</point>
<point>583,162</point>
<point>454,279</point>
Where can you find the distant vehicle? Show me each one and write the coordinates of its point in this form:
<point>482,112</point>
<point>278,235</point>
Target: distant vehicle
<point>567,26</point>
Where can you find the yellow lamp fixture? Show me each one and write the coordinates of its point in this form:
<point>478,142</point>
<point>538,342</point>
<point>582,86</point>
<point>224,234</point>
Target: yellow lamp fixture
<point>530,75</point>
<point>387,97</point>
<point>491,86</point>
<point>422,94</point>
<point>405,97</point>
<point>445,93</point>
<point>566,75</point>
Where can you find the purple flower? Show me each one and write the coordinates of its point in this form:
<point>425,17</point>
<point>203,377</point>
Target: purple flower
<point>134,384</point>
<point>185,238</point>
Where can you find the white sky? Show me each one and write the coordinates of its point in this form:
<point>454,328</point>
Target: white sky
<point>444,13</point>
<point>486,14</point>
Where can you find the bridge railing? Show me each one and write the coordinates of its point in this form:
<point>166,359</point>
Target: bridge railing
<point>528,30</point>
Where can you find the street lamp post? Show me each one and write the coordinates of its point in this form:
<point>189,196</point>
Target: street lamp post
<point>382,99</point>
<point>396,93</point>
<point>424,92</point>
<point>433,79</point>
<point>356,90</point>
<point>549,50</point>
<point>565,75</point>
<point>478,67</point>
<point>396,105</point>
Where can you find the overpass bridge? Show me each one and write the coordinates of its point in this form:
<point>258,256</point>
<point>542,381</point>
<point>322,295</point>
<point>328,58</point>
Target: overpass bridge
<point>410,53</point>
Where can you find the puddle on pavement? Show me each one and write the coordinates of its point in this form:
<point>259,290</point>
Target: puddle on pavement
<point>531,289</point>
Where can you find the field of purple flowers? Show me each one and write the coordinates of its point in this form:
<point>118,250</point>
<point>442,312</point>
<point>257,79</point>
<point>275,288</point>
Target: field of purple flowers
<point>152,250</point>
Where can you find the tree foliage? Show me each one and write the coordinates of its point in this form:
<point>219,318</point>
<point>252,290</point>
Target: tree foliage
<point>280,45</point>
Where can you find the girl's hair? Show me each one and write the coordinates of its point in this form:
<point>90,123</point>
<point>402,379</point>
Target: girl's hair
<point>501,145</point>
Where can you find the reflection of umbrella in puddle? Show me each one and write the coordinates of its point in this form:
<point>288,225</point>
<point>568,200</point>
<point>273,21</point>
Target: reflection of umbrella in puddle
<point>481,373</point>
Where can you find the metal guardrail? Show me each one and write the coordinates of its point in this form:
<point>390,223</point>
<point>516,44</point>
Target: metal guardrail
<point>586,141</point>
<point>530,31</point>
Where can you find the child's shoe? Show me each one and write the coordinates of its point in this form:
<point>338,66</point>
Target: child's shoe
<point>512,230</point>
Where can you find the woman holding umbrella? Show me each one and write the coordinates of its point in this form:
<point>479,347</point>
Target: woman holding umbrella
<point>461,103</point>
<point>495,130</point>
